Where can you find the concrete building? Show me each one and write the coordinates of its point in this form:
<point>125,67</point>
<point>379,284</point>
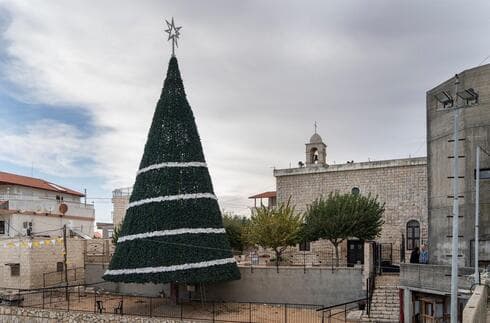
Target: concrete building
<point>120,201</point>
<point>31,206</point>
<point>474,129</point>
<point>400,183</point>
<point>32,214</point>
<point>106,228</point>
<point>427,287</point>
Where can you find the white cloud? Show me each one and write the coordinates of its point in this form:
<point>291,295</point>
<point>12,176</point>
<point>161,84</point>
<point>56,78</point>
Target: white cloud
<point>257,74</point>
<point>51,147</point>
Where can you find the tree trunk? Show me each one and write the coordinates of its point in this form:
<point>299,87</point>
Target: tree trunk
<point>277,259</point>
<point>336,245</point>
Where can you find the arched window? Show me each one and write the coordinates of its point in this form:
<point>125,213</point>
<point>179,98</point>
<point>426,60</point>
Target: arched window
<point>314,156</point>
<point>413,234</point>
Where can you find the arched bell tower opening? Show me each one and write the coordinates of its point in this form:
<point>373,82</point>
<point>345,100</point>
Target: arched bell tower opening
<point>316,151</point>
<point>314,155</point>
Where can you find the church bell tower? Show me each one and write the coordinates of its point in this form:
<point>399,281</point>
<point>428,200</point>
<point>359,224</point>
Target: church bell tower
<point>316,151</point>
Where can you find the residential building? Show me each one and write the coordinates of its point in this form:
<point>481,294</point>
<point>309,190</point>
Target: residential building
<point>269,197</point>
<point>31,206</point>
<point>33,213</point>
<point>106,228</point>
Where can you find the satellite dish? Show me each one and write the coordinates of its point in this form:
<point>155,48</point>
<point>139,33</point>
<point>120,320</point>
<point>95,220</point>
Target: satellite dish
<point>63,208</point>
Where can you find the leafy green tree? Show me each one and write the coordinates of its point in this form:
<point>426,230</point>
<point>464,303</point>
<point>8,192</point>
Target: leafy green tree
<point>116,233</point>
<point>342,216</point>
<point>234,225</point>
<point>275,228</point>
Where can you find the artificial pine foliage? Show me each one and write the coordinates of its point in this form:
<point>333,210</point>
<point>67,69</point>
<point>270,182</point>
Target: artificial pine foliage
<point>173,229</point>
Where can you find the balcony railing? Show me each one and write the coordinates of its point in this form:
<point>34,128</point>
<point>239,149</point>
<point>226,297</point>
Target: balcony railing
<point>46,205</point>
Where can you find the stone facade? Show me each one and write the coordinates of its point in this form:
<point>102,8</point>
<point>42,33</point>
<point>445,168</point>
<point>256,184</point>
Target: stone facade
<point>34,315</point>
<point>120,201</point>
<point>36,261</point>
<point>401,184</point>
<point>474,129</point>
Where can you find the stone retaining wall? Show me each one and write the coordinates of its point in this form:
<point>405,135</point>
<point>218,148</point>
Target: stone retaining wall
<point>475,310</point>
<point>31,315</point>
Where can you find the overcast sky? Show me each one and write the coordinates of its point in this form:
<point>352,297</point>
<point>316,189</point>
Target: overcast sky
<point>79,81</point>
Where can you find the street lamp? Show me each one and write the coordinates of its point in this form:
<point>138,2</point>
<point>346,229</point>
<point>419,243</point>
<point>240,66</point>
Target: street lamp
<point>448,102</point>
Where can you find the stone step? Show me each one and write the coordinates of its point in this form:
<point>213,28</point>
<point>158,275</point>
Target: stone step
<point>394,312</point>
<point>384,311</point>
<point>383,308</point>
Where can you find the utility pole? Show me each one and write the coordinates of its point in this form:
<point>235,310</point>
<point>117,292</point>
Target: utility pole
<point>477,210</point>
<point>455,240</point>
<point>65,265</point>
<point>477,214</point>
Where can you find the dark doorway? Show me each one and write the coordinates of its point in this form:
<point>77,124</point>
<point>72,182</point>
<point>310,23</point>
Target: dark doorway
<point>355,252</point>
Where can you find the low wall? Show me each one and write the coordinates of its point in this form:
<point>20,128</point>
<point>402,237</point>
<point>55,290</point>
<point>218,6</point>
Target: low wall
<point>316,285</point>
<point>433,277</point>
<point>31,315</point>
<point>475,310</point>
<point>293,285</point>
<point>94,273</point>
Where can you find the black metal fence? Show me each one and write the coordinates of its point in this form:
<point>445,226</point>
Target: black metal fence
<point>57,278</point>
<point>79,298</point>
<point>370,287</point>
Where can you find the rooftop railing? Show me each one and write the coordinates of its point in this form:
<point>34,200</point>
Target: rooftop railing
<point>46,205</point>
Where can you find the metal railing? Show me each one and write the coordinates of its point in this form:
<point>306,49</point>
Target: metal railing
<point>79,298</point>
<point>47,205</point>
<point>370,287</point>
<point>57,278</point>
<point>339,310</point>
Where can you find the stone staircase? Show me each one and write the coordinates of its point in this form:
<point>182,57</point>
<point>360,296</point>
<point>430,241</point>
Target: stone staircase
<point>488,309</point>
<point>385,305</point>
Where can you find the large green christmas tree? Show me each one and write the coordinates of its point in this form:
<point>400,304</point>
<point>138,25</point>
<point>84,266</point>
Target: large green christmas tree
<point>173,229</point>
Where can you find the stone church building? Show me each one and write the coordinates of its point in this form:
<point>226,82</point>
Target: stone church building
<point>400,183</point>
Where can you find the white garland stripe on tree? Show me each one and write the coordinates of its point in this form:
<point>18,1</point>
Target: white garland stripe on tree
<point>150,270</point>
<point>173,198</point>
<point>171,164</point>
<point>170,233</point>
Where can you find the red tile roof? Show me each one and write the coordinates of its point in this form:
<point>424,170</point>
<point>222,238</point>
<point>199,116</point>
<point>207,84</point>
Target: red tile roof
<point>264,195</point>
<point>13,179</point>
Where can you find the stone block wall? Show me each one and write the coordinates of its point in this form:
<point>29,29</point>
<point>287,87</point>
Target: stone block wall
<point>400,184</point>
<point>321,253</point>
<point>119,204</point>
<point>32,315</point>
<point>36,261</point>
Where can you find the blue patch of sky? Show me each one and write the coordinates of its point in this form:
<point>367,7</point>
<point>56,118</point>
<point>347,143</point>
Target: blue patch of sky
<point>15,113</point>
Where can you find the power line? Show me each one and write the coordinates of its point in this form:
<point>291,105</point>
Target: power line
<point>484,60</point>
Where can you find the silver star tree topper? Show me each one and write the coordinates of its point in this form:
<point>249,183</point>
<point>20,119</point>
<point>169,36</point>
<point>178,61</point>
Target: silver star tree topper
<point>173,34</point>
